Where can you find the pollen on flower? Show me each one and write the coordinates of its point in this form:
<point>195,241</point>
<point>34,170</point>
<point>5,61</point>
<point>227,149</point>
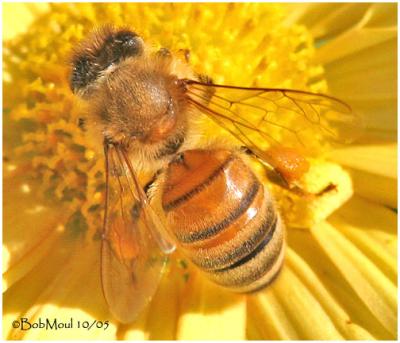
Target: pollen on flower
<point>329,187</point>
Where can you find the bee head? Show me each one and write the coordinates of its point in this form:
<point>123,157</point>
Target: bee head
<point>103,49</point>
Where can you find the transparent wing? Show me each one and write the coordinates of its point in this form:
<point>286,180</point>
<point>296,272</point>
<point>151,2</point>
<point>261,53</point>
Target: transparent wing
<point>134,241</point>
<point>264,117</point>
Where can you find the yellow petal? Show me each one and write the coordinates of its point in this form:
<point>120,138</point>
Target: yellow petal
<point>360,68</point>
<point>292,312</point>
<point>31,227</point>
<point>65,285</point>
<point>367,76</point>
<point>380,224</point>
<point>268,316</point>
<point>209,312</point>
<point>309,249</point>
<point>326,20</point>
<point>339,317</point>
<point>354,41</point>
<point>362,35</point>
<point>373,171</point>
<point>165,307</point>
<point>367,81</point>
<point>384,260</point>
<point>375,188</point>
<point>369,283</point>
<point>376,159</point>
<point>19,298</point>
<point>135,331</point>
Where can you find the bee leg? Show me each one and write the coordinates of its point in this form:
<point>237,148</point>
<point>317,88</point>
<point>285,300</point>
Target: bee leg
<point>205,79</point>
<point>247,151</point>
<point>295,188</point>
<point>135,210</point>
<point>82,123</point>
<point>280,168</point>
<point>136,207</point>
<point>209,92</point>
<point>275,176</point>
<point>164,52</point>
<point>331,187</point>
<point>185,54</point>
<point>272,172</point>
<point>148,185</point>
<point>286,171</point>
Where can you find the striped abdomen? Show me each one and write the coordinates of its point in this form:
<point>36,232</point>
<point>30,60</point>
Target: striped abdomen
<point>223,218</point>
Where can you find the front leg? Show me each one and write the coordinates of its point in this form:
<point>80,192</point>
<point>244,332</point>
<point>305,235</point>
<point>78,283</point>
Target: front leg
<point>136,207</point>
<point>285,167</point>
<point>182,54</point>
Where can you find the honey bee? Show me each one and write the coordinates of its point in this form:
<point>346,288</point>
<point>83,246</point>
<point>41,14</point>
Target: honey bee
<point>144,105</point>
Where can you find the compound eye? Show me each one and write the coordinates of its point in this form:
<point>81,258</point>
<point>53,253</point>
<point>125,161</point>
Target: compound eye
<point>82,74</point>
<point>127,44</point>
<point>125,38</point>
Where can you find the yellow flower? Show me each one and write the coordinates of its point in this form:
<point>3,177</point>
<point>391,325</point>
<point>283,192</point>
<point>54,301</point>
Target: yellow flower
<point>340,276</point>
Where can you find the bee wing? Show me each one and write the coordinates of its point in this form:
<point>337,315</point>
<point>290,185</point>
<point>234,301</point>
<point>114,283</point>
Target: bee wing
<point>263,117</point>
<point>134,241</point>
